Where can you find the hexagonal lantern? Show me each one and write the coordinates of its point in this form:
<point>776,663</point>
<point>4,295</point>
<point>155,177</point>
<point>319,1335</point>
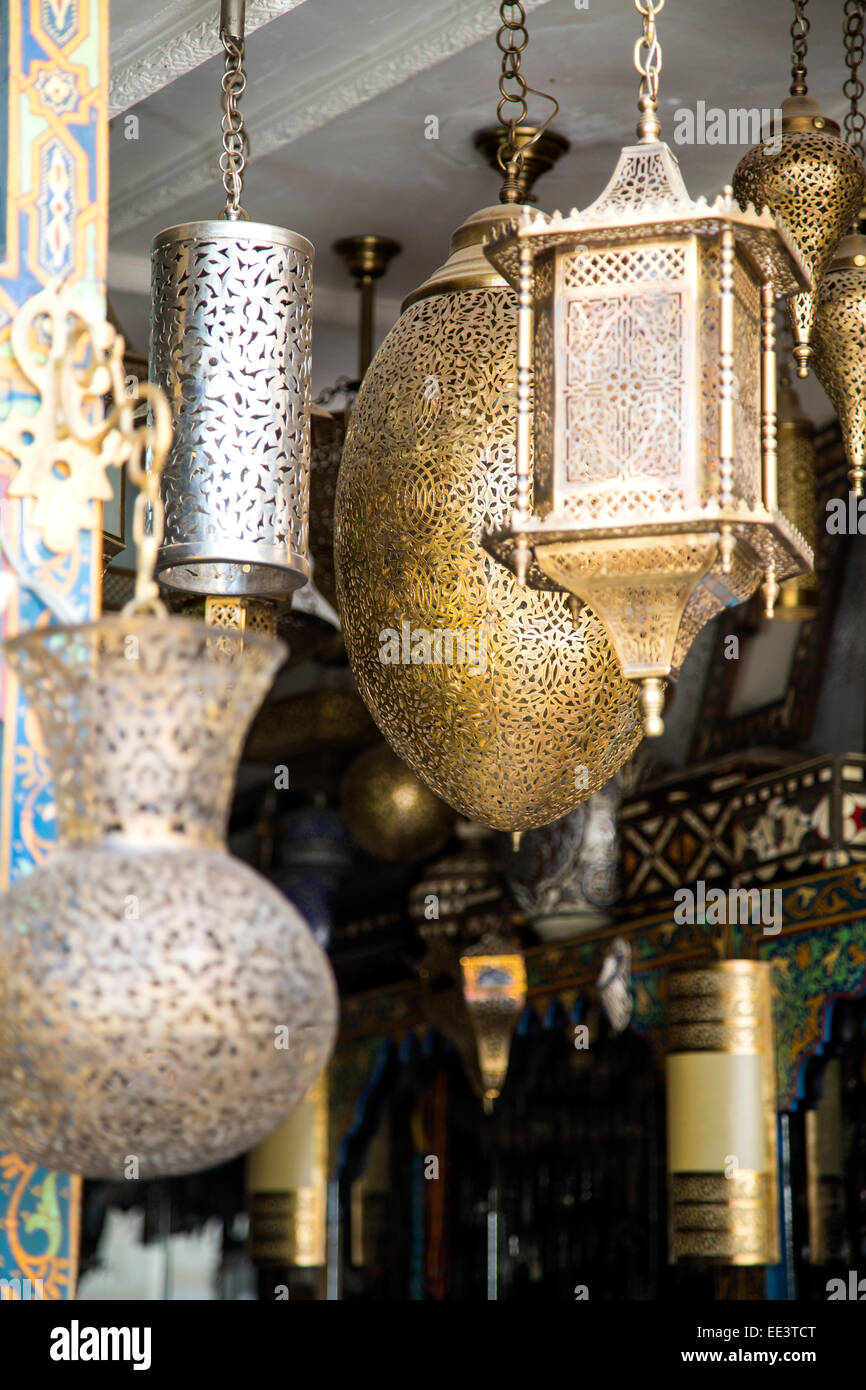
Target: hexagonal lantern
<point>646,429</point>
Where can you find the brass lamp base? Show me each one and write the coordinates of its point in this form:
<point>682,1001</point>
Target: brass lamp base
<point>367,257</point>
<point>538,160</point>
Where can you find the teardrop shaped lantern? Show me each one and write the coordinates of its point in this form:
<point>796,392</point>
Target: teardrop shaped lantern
<point>814,182</point>
<point>840,320</point>
<point>840,348</point>
<point>645,443</point>
<point>230,346</point>
<point>158,999</point>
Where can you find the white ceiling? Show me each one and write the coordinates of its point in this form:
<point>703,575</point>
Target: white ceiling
<point>338,92</point>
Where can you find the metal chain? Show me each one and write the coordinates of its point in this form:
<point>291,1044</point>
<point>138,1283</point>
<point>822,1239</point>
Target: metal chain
<point>512,84</point>
<point>511,40</point>
<point>799,35</point>
<point>855,120</point>
<point>648,64</point>
<point>234,156</point>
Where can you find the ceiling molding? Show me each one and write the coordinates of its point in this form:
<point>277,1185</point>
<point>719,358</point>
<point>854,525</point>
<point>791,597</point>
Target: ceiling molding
<point>278,120</point>
<point>165,46</point>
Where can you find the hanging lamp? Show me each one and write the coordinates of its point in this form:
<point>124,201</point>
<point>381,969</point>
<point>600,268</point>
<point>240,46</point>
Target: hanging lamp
<point>391,813</point>
<point>650,409</point>
<point>840,317</point>
<point>427,467</point>
<point>814,182</point>
<point>230,346</point>
<point>722,1147</point>
<point>159,1000</point>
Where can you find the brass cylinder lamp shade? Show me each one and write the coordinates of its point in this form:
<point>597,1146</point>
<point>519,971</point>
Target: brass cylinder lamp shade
<point>815,183</point>
<point>645,444</point>
<point>287,1186</point>
<point>230,346</point>
<point>721,1108</point>
<point>796,450</point>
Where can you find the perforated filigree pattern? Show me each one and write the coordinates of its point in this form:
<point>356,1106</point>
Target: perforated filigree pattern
<point>746,471</point>
<point>840,354</point>
<point>427,469</point>
<point>642,176</point>
<point>815,183</point>
<point>144,720</point>
<point>230,345</point>
<point>139,999</point>
<point>634,266</point>
<point>146,973</point>
<point>645,606</point>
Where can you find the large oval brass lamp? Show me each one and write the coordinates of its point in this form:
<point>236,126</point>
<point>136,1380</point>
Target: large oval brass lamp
<point>541,716</point>
<point>722,1146</point>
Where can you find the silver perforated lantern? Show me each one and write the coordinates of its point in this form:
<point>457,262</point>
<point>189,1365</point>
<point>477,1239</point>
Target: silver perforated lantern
<point>230,346</point>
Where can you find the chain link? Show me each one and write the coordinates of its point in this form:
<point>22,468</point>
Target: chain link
<point>511,40</point>
<point>234,156</point>
<point>512,84</point>
<point>855,120</point>
<point>648,64</point>
<point>799,35</point>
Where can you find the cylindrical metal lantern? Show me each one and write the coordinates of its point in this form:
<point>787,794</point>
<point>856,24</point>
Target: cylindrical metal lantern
<point>287,1182</point>
<point>721,1093</point>
<point>230,346</point>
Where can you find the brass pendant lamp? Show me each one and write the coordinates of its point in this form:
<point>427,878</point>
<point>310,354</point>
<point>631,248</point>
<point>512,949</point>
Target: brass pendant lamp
<point>646,429</point>
<point>840,318</point>
<point>230,346</point>
<point>426,469</point>
<point>390,812</point>
<point>814,182</point>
